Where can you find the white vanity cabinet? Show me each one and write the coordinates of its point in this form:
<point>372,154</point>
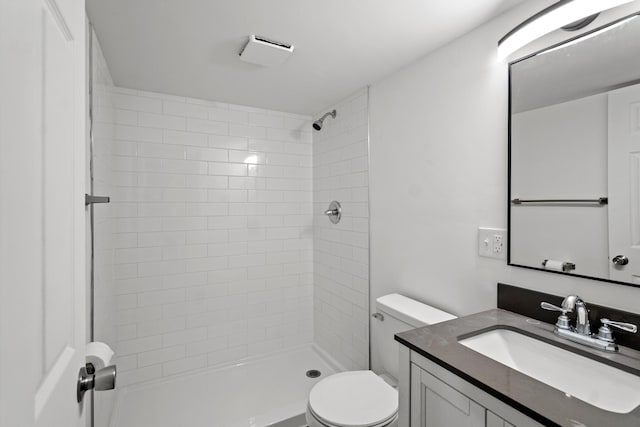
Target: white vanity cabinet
<point>436,404</point>
<point>431,396</point>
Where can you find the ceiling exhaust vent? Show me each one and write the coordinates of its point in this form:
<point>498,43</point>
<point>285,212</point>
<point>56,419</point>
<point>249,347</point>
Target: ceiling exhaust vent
<point>265,52</point>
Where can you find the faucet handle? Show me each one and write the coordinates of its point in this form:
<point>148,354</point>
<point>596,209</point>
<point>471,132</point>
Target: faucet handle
<point>551,307</point>
<point>605,334</point>
<point>629,327</point>
<point>563,320</point>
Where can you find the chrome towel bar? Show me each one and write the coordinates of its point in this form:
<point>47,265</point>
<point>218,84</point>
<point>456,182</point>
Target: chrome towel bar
<point>90,199</point>
<point>601,201</point>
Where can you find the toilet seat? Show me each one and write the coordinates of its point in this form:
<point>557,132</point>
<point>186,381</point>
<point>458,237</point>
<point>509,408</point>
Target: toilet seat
<point>314,421</point>
<point>353,399</point>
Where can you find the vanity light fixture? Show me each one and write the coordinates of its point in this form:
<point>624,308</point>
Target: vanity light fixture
<point>590,35</point>
<point>553,17</point>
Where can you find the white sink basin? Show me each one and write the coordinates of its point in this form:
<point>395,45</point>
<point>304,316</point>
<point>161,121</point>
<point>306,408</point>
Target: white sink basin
<point>593,382</point>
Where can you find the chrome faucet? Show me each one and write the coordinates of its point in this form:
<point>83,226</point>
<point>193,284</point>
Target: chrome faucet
<point>573,302</point>
<point>581,333</point>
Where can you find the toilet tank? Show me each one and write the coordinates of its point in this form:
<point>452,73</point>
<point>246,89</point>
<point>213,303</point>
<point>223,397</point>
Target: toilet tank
<point>399,314</point>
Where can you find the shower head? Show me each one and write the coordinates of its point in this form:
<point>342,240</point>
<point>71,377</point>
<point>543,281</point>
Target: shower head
<point>317,125</point>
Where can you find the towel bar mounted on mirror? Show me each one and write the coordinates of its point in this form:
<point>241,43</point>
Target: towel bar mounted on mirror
<point>91,199</point>
<point>600,201</point>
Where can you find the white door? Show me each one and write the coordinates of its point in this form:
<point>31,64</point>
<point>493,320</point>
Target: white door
<point>42,216</point>
<point>624,183</point>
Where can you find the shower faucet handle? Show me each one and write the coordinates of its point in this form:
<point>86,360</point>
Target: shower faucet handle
<point>334,212</point>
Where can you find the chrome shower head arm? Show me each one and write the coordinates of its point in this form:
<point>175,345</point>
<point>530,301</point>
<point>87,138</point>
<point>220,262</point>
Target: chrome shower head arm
<point>332,113</point>
<point>317,125</point>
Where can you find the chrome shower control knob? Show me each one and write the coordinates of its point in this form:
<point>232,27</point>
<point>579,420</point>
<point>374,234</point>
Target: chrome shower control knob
<point>620,260</point>
<point>334,212</point>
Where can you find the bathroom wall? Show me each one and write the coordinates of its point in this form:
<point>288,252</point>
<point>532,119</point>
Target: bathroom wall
<point>104,308</point>
<point>438,136</point>
<point>214,233</point>
<point>341,251</point>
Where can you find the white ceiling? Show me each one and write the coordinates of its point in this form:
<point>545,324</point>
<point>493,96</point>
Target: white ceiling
<point>190,47</point>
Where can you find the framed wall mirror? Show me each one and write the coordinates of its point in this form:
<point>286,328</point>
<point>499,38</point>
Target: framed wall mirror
<point>574,156</point>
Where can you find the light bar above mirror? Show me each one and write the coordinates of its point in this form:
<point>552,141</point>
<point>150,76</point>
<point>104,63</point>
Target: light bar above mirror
<point>549,19</point>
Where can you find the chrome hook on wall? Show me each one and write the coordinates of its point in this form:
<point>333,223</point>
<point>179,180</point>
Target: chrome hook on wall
<point>334,212</point>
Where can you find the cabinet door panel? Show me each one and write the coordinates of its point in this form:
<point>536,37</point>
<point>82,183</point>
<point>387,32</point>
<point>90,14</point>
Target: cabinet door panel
<point>495,421</point>
<point>436,404</point>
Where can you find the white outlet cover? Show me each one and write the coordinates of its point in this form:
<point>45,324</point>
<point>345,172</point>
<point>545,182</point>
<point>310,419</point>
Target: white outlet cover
<point>486,242</point>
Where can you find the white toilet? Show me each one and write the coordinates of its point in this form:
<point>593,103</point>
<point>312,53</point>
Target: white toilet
<point>363,398</point>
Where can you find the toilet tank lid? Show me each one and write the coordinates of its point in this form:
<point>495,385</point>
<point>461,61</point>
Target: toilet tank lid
<point>411,311</point>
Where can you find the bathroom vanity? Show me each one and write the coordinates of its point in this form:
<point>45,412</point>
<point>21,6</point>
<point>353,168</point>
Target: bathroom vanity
<point>449,377</point>
<point>440,398</point>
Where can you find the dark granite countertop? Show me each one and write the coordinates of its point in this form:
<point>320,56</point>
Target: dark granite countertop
<point>544,403</point>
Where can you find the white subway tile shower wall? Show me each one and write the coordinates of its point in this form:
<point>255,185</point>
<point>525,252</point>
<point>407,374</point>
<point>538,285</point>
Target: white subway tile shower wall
<point>341,251</point>
<point>104,242</point>
<point>214,226</point>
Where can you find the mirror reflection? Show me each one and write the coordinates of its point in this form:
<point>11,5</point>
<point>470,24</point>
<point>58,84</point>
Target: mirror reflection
<point>574,202</point>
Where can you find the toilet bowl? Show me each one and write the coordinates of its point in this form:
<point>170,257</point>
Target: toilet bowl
<point>362,398</point>
<point>352,399</point>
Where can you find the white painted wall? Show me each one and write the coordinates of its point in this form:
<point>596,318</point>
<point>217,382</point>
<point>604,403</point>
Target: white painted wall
<point>341,251</point>
<point>213,232</point>
<point>559,152</point>
<point>438,132</point>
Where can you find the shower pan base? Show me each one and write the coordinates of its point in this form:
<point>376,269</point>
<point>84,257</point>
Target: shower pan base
<point>267,392</point>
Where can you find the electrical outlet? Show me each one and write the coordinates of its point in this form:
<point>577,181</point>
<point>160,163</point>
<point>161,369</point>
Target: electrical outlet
<point>497,244</point>
<point>491,242</point>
